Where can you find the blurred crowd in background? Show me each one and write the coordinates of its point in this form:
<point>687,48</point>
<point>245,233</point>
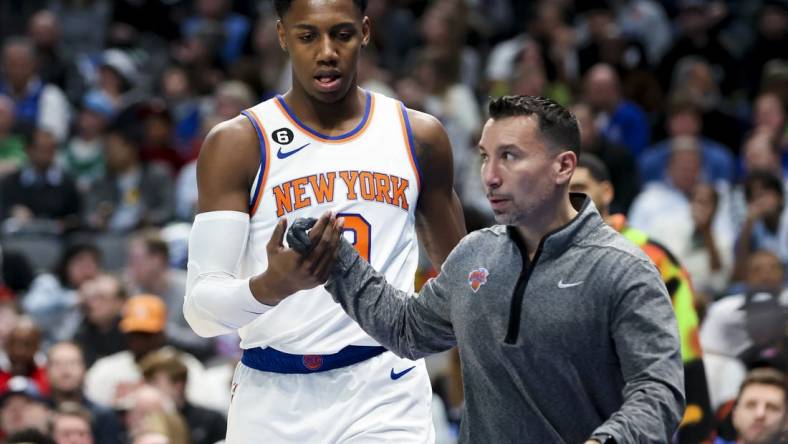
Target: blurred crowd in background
<point>104,105</point>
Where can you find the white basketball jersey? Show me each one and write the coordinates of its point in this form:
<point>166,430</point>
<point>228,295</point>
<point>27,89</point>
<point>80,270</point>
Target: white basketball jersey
<point>369,176</point>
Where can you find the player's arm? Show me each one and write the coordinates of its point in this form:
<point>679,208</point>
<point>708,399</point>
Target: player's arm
<point>439,217</point>
<point>218,299</point>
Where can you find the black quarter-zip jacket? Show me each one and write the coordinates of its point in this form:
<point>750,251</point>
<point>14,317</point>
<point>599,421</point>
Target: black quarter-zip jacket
<point>581,341</point>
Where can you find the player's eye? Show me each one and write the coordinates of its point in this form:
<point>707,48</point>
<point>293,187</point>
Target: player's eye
<point>307,37</point>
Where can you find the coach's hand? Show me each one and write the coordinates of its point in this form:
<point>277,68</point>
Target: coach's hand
<point>288,270</point>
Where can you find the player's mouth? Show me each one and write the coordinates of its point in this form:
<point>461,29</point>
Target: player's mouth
<point>328,81</point>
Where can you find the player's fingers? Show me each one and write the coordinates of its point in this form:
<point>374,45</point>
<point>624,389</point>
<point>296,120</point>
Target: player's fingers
<point>277,236</point>
<point>320,244</point>
<point>328,244</point>
<point>317,231</point>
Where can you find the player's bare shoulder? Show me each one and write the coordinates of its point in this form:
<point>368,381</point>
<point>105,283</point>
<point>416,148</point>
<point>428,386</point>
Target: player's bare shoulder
<point>432,146</point>
<point>228,162</point>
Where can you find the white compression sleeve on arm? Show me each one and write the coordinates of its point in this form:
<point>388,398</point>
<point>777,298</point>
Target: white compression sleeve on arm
<point>217,301</point>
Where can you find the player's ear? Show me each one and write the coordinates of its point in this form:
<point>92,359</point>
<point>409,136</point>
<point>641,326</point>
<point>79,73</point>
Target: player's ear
<point>366,31</point>
<point>280,33</point>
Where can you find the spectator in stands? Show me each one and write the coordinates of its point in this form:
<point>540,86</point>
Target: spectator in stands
<point>618,119</point>
<point>66,371</point>
<point>43,29</point>
<point>766,222</point>
<point>761,409</point>
<point>71,425</point>
<point>762,152</point>
<point>113,377</point>
<point>708,259</point>
<point>164,370</point>
<point>12,145</point>
<point>22,356</point>
<point>22,407</point>
<point>148,271</point>
<point>699,35</point>
<point>684,120</point>
<point>99,332</point>
<point>38,104</point>
<point>618,161</point>
<point>724,334</point>
<point>151,412</point>
<point>184,105</point>
<point>118,78</point>
<point>131,194</point>
<point>41,191</point>
<point>605,42</point>
<point>769,43</point>
<point>158,137</point>
<point>52,299</point>
<point>769,115</point>
<point>663,208</point>
<point>83,156</point>
<point>216,16</point>
<point>694,80</point>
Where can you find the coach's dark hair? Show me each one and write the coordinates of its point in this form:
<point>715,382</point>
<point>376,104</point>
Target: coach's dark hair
<point>282,6</point>
<point>556,123</point>
<point>596,168</point>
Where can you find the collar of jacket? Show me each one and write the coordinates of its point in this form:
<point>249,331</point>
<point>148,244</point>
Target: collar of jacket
<point>559,240</point>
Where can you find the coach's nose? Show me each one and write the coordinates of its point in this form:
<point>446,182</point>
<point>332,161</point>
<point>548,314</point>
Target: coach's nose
<point>490,175</point>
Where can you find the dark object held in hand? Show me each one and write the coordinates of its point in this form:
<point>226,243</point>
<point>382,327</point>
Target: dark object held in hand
<point>297,236</point>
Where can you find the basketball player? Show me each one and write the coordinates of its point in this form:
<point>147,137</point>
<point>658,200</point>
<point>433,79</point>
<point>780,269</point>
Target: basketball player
<point>326,147</point>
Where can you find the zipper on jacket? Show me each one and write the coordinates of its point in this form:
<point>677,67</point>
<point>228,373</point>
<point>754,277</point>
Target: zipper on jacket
<point>519,290</point>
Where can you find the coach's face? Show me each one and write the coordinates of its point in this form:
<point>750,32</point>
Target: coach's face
<point>522,176</point>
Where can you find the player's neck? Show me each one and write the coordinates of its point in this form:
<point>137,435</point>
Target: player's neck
<point>340,116</point>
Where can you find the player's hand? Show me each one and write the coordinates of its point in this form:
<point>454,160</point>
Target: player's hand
<point>288,271</point>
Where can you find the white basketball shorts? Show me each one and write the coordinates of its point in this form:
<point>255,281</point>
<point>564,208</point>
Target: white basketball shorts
<point>384,399</point>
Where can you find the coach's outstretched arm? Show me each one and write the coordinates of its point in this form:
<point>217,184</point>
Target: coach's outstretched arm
<point>409,325</point>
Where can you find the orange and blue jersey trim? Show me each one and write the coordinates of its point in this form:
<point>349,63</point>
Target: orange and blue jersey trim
<point>407,133</point>
<point>254,201</point>
<point>369,108</point>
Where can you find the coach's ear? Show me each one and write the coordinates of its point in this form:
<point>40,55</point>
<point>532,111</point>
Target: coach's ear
<point>564,166</point>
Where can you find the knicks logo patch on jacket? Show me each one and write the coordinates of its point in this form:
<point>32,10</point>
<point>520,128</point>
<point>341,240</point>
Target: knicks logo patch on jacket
<point>477,278</point>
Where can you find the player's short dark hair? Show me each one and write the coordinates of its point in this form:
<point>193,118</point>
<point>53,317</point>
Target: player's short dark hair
<point>282,6</point>
<point>557,124</point>
<point>596,168</point>
<point>765,179</point>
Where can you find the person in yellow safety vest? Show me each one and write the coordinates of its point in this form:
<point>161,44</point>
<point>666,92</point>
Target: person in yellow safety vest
<point>592,178</point>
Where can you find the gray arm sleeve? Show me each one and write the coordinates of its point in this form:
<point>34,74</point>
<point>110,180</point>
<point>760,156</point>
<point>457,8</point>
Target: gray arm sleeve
<point>646,338</point>
<point>411,326</point>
